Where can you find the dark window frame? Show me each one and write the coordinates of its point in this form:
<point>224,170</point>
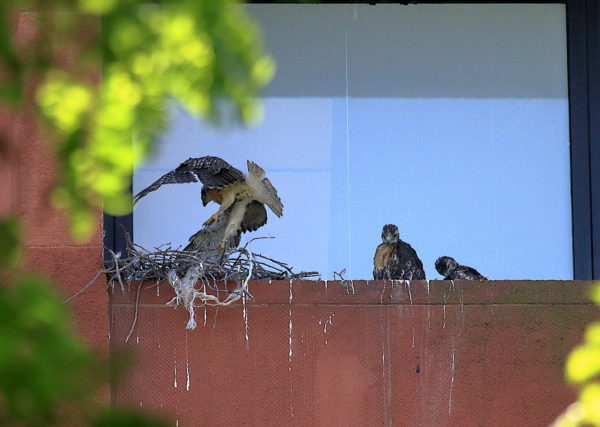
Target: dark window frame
<point>583,53</point>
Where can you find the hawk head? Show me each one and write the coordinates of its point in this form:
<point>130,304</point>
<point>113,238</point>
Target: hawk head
<point>445,265</point>
<point>390,234</point>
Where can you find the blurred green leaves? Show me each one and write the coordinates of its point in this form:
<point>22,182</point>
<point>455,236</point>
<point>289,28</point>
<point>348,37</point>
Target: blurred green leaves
<point>47,375</point>
<point>43,367</point>
<point>10,249</point>
<point>582,369</point>
<point>204,54</point>
<point>115,418</point>
<point>102,101</point>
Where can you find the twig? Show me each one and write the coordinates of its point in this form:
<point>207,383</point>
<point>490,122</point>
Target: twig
<point>90,283</point>
<point>117,272</point>
<point>135,316</point>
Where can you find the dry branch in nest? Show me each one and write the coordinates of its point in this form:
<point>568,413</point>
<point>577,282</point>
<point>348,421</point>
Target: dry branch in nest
<point>197,277</point>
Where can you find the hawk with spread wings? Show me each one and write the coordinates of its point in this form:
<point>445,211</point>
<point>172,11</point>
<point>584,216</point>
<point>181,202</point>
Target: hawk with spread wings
<point>395,259</point>
<point>451,270</point>
<point>241,198</point>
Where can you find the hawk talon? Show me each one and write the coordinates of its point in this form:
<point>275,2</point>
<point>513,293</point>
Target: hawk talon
<point>211,219</point>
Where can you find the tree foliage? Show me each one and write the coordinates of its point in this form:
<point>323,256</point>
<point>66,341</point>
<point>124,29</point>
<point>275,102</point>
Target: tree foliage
<point>42,364</point>
<point>196,52</point>
<point>582,369</point>
<point>101,98</point>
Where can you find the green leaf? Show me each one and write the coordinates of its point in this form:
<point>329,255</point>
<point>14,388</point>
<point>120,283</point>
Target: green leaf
<point>120,418</point>
<point>583,363</point>
<point>10,238</point>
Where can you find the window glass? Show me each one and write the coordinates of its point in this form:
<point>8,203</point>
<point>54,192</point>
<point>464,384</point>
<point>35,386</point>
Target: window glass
<point>448,120</point>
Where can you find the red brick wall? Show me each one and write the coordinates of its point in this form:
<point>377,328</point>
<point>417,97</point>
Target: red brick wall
<point>437,354</point>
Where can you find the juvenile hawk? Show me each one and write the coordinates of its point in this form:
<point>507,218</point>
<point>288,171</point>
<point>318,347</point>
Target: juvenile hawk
<point>242,197</point>
<point>451,270</point>
<point>395,259</point>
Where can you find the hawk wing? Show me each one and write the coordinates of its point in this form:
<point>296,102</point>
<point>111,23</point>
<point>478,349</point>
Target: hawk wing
<point>269,192</point>
<point>210,236</point>
<point>213,172</point>
<point>462,272</point>
<point>406,265</point>
<point>254,217</point>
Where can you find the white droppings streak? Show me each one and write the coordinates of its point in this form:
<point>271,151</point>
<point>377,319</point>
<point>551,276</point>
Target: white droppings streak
<point>451,380</point>
<point>174,372</point>
<point>412,309</point>
<point>427,284</point>
<point>137,339</point>
<point>157,290</point>
<point>205,316</point>
<point>290,351</point>
<point>444,315</point>
<point>325,286</point>
<point>187,376</point>
<point>270,281</point>
<point>329,321</point>
<point>428,317</point>
<point>187,365</point>
<point>245,315</point>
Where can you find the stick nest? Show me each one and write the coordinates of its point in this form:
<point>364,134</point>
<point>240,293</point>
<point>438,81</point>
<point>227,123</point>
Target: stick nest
<point>197,277</point>
<point>235,264</point>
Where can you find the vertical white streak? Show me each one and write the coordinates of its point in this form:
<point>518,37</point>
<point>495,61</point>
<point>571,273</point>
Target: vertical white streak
<point>347,143</point>
<point>245,316</point>
<point>444,316</point>
<point>187,376</point>
<point>174,371</point>
<point>290,351</point>
<point>290,342</point>
<point>187,365</point>
<point>451,378</point>
<point>407,283</point>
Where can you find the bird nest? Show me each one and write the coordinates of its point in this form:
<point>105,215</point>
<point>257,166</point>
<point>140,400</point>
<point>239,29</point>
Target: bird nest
<point>197,277</point>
